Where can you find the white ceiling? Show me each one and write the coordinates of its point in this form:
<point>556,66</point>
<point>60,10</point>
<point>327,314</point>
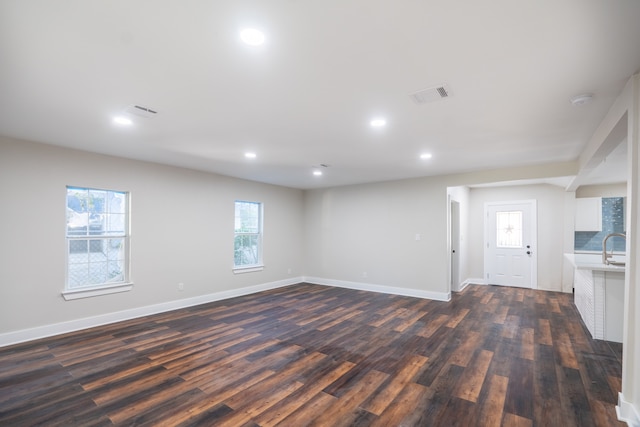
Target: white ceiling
<point>307,95</point>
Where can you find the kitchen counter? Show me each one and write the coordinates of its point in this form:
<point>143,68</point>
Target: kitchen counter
<point>599,294</point>
<point>594,262</point>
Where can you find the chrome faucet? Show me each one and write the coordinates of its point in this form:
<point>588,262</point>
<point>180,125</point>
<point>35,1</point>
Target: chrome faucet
<point>605,255</point>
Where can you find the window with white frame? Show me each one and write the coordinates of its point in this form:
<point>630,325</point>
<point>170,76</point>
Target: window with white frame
<point>248,236</point>
<point>509,229</point>
<point>97,238</point>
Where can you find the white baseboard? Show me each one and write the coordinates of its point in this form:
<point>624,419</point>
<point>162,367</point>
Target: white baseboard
<point>16,337</point>
<point>407,292</point>
<point>469,282</point>
<point>627,412</point>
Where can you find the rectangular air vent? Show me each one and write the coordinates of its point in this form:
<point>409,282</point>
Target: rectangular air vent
<point>140,111</point>
<point>431,94</point>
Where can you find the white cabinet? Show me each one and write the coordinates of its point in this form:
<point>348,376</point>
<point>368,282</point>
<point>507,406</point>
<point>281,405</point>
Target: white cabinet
<point>589,214</point>
<point>614,306</point>
<point>584,298</point>
<point>599,297</point>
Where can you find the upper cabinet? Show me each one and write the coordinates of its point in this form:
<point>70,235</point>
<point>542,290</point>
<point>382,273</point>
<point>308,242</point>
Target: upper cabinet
<point>589,214</point>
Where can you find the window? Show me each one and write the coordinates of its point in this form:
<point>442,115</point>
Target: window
<point>509,228</point>
<point>247,255</point>
<point>97,241</point>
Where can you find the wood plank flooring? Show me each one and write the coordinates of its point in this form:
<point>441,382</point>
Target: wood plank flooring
<point>322,356</point>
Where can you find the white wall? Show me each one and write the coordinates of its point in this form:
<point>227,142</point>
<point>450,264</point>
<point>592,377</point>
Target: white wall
<point>605,190</point>
<point>550,203</point>
<point>181,231</point>
<point>371,228</point>
<point>353,230</point>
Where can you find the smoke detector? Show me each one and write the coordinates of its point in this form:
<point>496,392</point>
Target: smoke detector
<point>431,94</point>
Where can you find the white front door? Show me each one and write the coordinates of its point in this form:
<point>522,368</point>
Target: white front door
<point>510,244</point>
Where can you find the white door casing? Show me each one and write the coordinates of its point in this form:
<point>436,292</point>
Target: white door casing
<point>510,248</point>
<point>455,245</point>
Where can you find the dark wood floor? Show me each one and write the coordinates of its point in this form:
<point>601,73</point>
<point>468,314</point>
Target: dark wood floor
<point>315,355</point>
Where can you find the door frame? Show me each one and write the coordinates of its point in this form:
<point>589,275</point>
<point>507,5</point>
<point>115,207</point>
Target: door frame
<point>534,236</point>
<point>454,239</point>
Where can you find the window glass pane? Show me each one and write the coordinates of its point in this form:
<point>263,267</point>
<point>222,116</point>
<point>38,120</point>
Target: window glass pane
<point>77,199</point>
<point>84,251</point>
<point>509,229</point>
<point>246,249</point>
<point>77,213</point>
<point>97,273</point>
<point>247,218</point>
<point>115,249</point>
<point>77,223</point>
<point>97,201</point>
<point>96,224</point>
<point>96,256</point>
<point>114,223</point>
<point>96,260</point>
<point>117,202</point>
<point>248,232</point>
<point>78,275</point>
<point>95,212</point>
<point>115,259</point>
<point>78,247</point>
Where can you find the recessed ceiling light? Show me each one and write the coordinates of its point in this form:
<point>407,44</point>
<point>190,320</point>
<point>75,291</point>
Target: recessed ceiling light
<point>425,156</point>
<point>122,120</point>
<point>317,173</point>
<point>581,99</point>
<point>250,155</point>
<point>378,123</point>
<point>252,36</point>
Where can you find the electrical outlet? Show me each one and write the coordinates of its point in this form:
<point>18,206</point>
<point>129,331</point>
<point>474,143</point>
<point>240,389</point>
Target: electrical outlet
<point>181,286</point>
<point>364,274</point>
<point>289,271</point>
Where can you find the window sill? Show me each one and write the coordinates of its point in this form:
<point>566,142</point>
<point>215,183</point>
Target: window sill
<point>251,269</point>
<point>96,291</point>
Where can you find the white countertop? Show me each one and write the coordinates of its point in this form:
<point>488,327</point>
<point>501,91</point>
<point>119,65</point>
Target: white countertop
<point>594,262</point>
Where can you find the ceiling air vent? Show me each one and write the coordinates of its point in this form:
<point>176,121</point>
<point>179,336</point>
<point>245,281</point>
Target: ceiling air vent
<point>431,94</point>
<point>140,111</point>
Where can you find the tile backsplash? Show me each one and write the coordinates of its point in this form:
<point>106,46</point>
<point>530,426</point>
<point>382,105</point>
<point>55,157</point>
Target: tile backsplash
<point>612,222</point>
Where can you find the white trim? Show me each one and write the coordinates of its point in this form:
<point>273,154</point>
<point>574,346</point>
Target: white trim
<point>252,269</point>
<point>470,281</point>
<point>417,293</point>
<point>16,337</point>
<point>627,412</point>
<point>71,294</point>
<point>461,286</point>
